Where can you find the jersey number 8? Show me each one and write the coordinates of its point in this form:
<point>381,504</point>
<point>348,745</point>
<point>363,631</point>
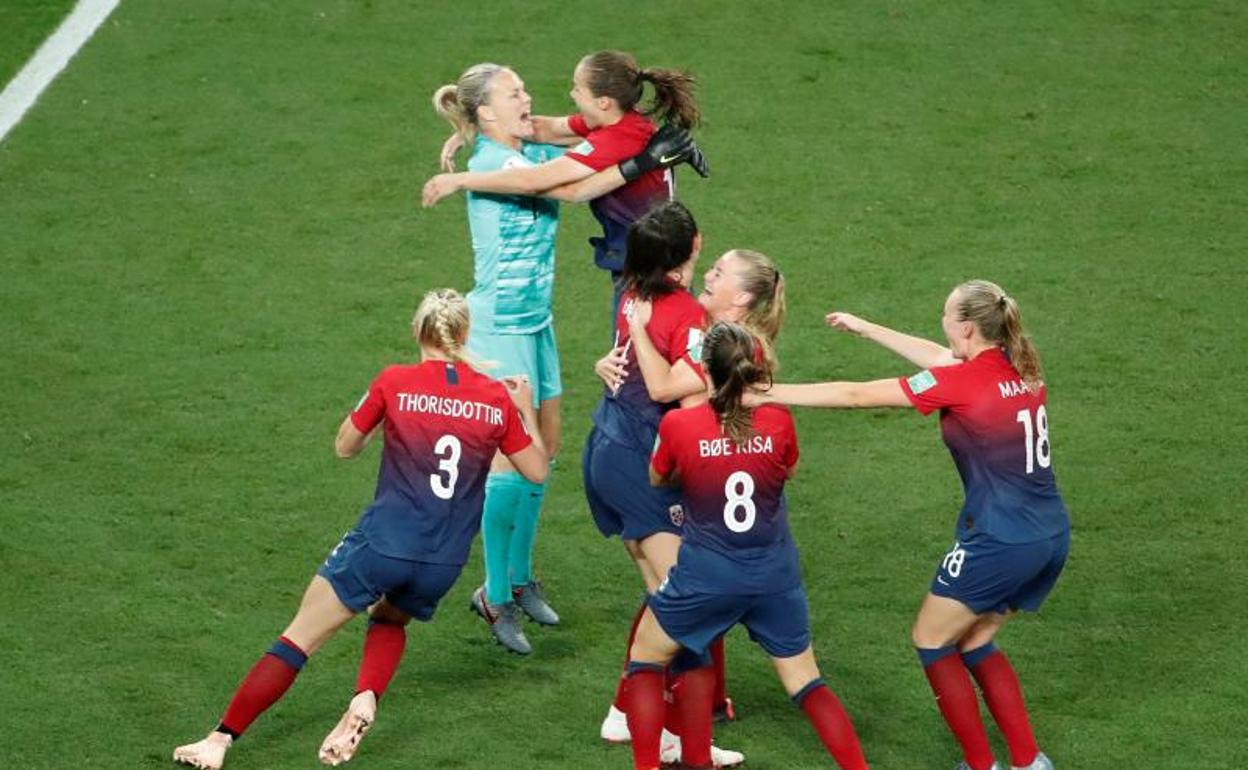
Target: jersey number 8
<point>739,489</point>
<point>448,450</point>
<point>1037,439</point>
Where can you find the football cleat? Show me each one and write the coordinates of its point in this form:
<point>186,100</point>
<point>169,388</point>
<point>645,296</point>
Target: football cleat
<point>965,766</point>
<point>208,754</point>
<point>1041,762</point>
<point>504,620</point>
<point>340,745</point>
<point>669,753</point>
<point>615,727</point>
<point>532,600</point>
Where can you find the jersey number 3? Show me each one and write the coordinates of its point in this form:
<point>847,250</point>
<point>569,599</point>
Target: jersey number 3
<point>448,450</point>
<point>739,489</point>
<point>1037,438</point>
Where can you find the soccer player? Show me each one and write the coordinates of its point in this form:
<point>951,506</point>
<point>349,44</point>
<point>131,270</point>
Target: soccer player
<point>513,239</point>
<point>744,287</point>
<point>442,422</point>
<point>1013,531</point>
<point>737,564</point>
<point>663,248</point>
<point>609,134</point>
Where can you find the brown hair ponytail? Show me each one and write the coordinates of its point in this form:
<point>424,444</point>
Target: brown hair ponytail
<point>616,74</point>
<point>729,357</point>
<point>999,321</point>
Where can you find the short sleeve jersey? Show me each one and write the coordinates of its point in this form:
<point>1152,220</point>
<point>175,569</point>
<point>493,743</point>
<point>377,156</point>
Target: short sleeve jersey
<point>676,326</point>
<point>442,424</point>
<point>602,148</point>
<point>736,530</point>
<point>997,430</point>
<point>513,245</point>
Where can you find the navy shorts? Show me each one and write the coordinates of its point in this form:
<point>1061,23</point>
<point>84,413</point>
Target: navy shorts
<point>617,486</point>
<point>361,576</point>
<point>779,622</point>
<point>989,576</point>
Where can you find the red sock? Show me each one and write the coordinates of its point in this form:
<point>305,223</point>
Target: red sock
<point>717,662</point>
<point>1004,697</point>
<point>263,686</point>
<point>828,717</point>
<point>621,701</point>
<point>956,697</point>
<point>644,695</point>
<point>672,689</point>
<point>694,699</point>
<point>383,649</point>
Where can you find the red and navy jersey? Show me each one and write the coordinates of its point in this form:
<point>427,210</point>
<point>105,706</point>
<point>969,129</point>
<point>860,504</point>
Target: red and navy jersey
<point>997,430</point>
<point>736,530</point>
<point>676,327</point>
<point>442,424</point>
<point>603,148</point>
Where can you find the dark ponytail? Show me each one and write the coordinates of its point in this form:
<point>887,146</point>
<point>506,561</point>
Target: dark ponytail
<point>673,97</point>
<point>730,358</point>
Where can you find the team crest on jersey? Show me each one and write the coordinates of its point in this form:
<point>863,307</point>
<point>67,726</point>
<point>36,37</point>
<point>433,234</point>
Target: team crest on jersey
<point>695,344</point>
<point>677,514</point>
<point>921,382</point>
<point>584,148</point>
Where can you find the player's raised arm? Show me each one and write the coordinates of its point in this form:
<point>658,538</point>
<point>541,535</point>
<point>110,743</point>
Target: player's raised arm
<point>554,130</point>
<point>918,351</point>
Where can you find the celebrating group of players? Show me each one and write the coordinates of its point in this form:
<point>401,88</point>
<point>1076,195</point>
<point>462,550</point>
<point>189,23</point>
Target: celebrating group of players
<point>689,453</point>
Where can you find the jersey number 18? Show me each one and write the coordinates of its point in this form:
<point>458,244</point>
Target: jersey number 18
<point>1037,438</point>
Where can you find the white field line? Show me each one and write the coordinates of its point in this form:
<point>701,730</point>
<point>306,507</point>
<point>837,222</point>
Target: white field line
<point>20,94</point>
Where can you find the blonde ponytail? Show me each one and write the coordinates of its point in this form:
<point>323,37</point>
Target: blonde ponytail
<point>458,104</point>
<point>999,321</point>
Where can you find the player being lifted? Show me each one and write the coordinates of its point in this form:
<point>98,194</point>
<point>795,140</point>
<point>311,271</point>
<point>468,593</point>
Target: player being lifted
<point>513,239</point>
<point>1013,531</point>
<point>609,134</point>
<point>442,422</point>
<point>737,562</point>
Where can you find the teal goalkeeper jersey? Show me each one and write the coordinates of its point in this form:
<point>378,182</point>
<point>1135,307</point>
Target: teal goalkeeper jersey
<point>513,243</point>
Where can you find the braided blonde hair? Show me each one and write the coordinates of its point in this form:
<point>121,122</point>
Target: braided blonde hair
<point>441,322</point>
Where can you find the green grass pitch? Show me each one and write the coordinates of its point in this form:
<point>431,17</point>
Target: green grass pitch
<point>210,242</point>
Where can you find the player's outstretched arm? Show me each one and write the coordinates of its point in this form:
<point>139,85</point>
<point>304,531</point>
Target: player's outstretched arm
<point>918,351</point>
<point>669,146</point>
<point>521,180</point>
<point>833,395</point>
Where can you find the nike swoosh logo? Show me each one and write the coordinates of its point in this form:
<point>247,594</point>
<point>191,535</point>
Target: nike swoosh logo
<point>941,580</point>
<point>669,158</point>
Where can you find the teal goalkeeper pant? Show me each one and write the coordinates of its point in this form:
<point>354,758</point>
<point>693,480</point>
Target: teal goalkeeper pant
<point>508,528</point>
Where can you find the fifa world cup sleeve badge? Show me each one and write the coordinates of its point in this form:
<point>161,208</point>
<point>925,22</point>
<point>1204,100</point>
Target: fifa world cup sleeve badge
<point>920,382</point>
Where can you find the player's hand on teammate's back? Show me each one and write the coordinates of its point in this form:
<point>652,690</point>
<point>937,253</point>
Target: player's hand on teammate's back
<point>669,146</point>
<point>453,144</point>
<point>846,322</point>
<point>437,188</point>
<point>612,368</point>
<point>643,309</point>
